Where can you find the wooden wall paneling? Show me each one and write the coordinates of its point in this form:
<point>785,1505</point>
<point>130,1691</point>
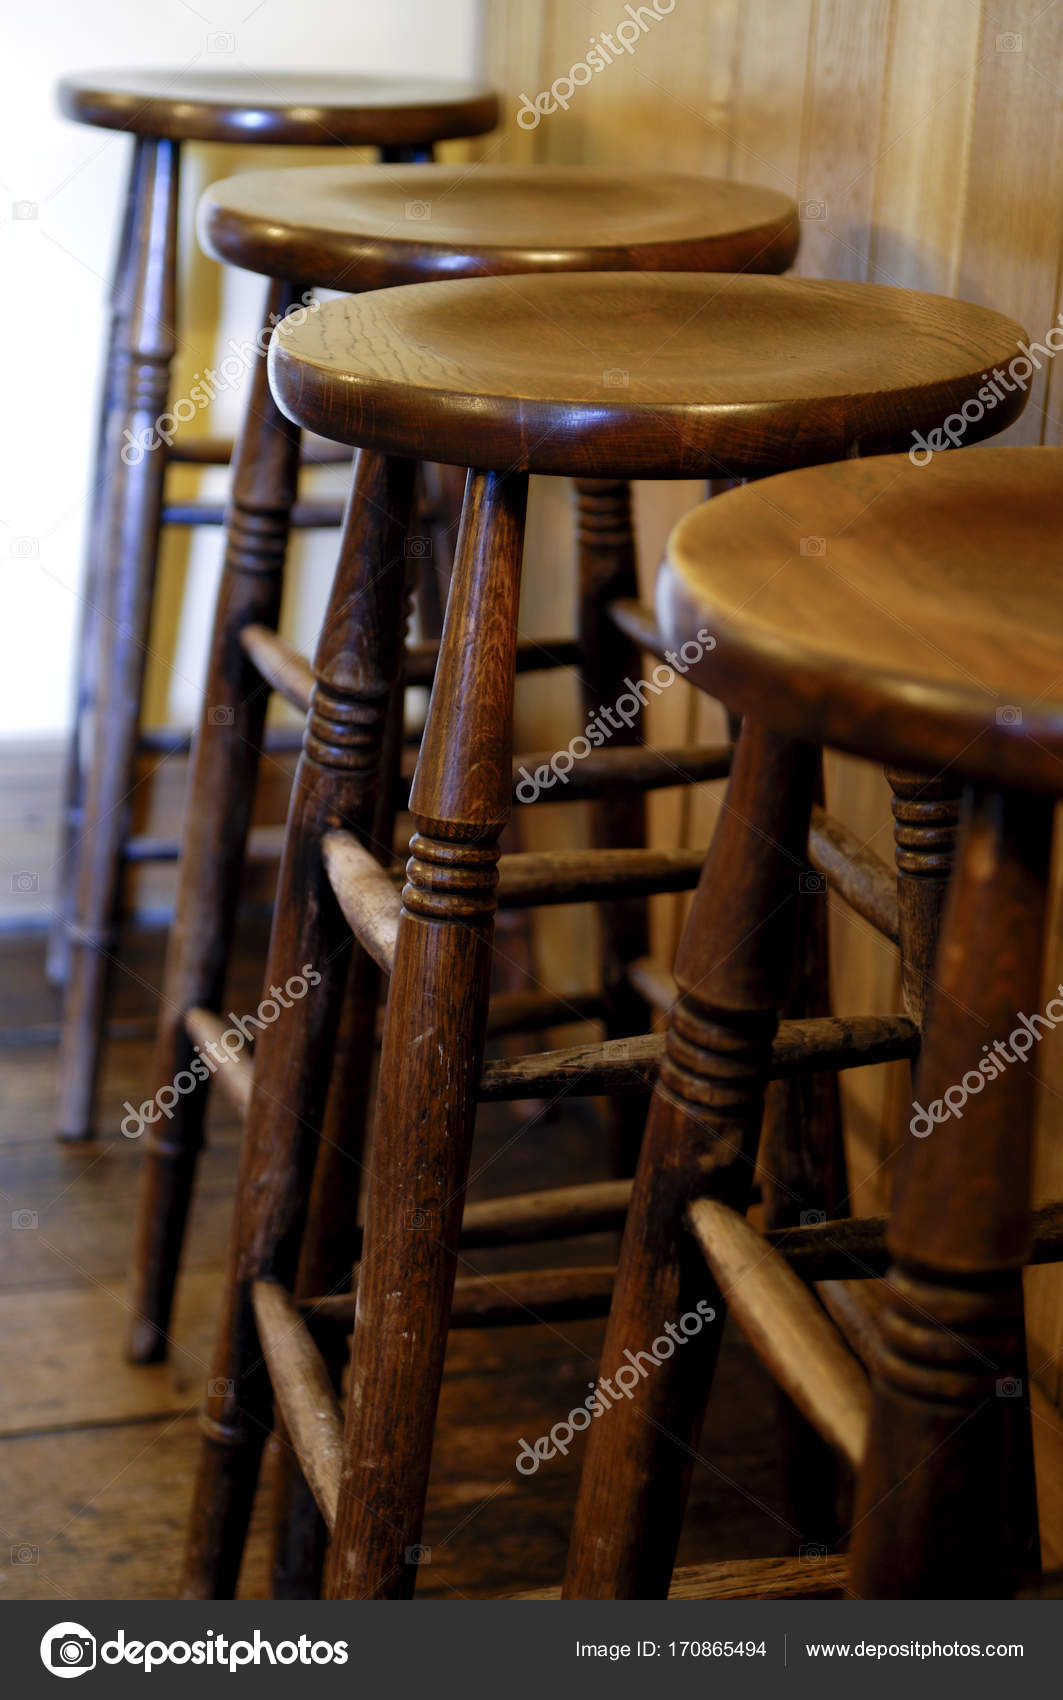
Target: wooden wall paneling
<point>775,42</point>
<point>921,175</point>
<point>1010,248</point>
<point>842,136</point>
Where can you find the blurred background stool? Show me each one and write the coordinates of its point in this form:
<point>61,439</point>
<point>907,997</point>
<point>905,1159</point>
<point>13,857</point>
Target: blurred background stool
<point>164,109</point>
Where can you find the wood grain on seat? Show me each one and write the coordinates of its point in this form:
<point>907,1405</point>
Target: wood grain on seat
<point>905,613</point>
<point>638,375</point>
<point>308,108</point>
<point>366,227</point>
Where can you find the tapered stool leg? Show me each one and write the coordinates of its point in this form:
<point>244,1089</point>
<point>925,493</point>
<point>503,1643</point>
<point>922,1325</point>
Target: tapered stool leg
<point>300,1536</point>
<point>128,536</point>
<point>944,1509</point>
<point>357,665</point>
<point>90,614</point>
<point>431,1056</point>
<point>221,789</point>
<point>733,970</point>
<point>607,572</point>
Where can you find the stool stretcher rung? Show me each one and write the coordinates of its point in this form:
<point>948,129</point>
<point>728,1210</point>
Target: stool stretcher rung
<point>218,451</point>
<point>280,664</point>
<point>511,1299</point>
<point>303,1392</point>
<point>366,893</point>
<point>234,1074</point>
<point>748,1579</point>
<point>530,878</point>
<point>620,1067</point>
<point>603,772</point>
<point>864,880</point>
<point>653,982</point>
<point>787,1327</point>
<point>854,1249</point>
<point>264,844</point>
<point>305,516</point>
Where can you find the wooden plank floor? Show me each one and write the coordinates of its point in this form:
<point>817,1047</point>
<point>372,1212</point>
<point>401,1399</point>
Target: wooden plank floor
<point>97,1458</point>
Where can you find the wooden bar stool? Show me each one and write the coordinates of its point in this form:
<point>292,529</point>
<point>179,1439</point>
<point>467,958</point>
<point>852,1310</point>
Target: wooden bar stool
<point>163,110</point>
<point>349,228</point>
<point>900,642</point>
<point>729,376</point>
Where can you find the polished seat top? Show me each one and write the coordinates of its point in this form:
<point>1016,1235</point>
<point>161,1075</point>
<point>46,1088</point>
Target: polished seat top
<point>906,613</point>
<point>637,375</point>
<point>305,108</point>
<point>367,227</point>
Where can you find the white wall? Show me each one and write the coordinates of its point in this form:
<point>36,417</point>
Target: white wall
<point>53,282</point>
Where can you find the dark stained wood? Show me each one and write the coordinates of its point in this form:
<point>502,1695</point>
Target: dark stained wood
<point>221,791</point>
<point>701,1140</point>
<point>431,1054</point>
<point>302,108</point>
<point>750,1579</point>
<point>787,1328</point>
<point>303,1390</point>
<point>607,569</point>
<point>684,376</point>
<point>348,227</point>
<point>854,872</point>
<point>912,553</point>
<point>513,1298</point>
<point>123,537</point>
<point>926,813</point>
<point>357,664</point>
<point>818,1045</point>
<point>946,1503</point>
<point>88,637</point>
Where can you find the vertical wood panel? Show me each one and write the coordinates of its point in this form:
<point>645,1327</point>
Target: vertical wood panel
<point>931,130</point>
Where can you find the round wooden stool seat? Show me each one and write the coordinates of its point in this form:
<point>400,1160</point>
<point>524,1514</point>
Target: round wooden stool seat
<point>368,227</point>
<point>905,613</point>
<point>637,375</point>
<point>306,108</point>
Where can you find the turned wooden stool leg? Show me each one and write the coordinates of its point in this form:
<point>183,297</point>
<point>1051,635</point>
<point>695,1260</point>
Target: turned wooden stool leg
<point>221,788</point>
<point>357,665</point>
<point>607,572</point>
<point>128,535</point>
<point>300,1538</point>
<point>432,1051</point>
<point>802,1172</point>
<point>733,970</point>
<point>88,638</point>
<point>944,1509</point>
<point>926,814</point>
